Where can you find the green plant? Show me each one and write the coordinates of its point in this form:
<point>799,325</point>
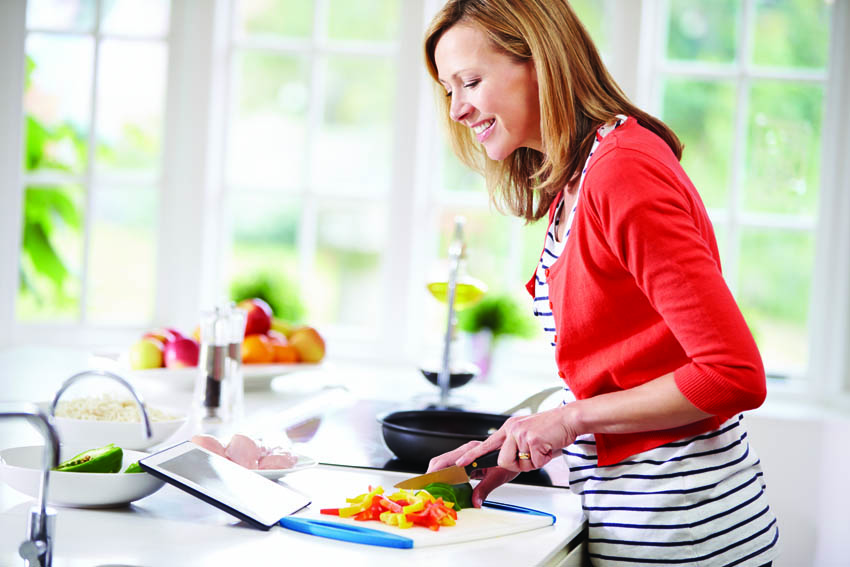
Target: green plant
<point>498,313</point>
<point>275,289</point>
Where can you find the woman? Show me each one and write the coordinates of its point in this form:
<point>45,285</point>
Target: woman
<point>629,290</point>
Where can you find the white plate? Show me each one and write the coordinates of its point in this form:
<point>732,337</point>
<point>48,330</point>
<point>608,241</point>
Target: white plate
<point>20,468</point>
<point>127,435</point>
<point>304,462</point>
<point>255,376</point>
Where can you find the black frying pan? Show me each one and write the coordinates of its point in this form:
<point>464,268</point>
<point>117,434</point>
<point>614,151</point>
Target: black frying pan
<point>418,436</point>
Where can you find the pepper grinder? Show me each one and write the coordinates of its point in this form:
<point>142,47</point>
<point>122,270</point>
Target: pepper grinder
<point>212,370</point>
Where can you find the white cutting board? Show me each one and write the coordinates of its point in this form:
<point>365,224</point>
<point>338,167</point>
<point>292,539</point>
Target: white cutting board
<point>472,524</point>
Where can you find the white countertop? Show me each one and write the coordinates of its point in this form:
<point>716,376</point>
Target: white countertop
<point>173,528</point>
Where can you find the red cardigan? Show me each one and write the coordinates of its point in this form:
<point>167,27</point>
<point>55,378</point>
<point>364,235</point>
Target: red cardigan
<point>638,293</point>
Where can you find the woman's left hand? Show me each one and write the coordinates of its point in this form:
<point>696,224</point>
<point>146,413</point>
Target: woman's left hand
<point>537,438</point>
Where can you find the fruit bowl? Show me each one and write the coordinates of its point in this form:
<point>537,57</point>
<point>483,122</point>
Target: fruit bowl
<point>20,468</point>
<point>255,376</point>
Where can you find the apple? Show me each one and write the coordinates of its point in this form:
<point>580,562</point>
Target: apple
<point>258,316</point>
<point>146,353</point>
<point>164,335</point>
<point>309,344</point>
<point>181,353</point>
<point>281,326</point>
<point>277,337</point>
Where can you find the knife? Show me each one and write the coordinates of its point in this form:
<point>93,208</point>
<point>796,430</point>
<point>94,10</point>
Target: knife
<point>451,475</point>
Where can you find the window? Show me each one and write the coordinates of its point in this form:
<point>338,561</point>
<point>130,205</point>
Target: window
<point>154,153</point>
<point>309,153</point>
<point>94,107</point>
<point>743,84</point>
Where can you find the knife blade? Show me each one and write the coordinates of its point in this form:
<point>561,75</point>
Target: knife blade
<point>451,475</point>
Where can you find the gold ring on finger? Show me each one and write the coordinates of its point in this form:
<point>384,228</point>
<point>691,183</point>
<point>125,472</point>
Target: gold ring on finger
<point>523,456</point>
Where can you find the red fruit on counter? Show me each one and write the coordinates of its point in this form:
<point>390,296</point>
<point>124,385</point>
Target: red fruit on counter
<point>164,335</point>
<point>181,353</point>
<point>258,316</point>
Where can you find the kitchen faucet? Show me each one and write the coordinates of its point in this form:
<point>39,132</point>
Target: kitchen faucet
<point>112,376</point>
<point>37,549</point>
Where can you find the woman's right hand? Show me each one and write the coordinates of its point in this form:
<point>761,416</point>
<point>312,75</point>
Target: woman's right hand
<point>491,478</point>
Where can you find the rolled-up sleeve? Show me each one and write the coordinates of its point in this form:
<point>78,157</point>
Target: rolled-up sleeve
<point>656,226</point>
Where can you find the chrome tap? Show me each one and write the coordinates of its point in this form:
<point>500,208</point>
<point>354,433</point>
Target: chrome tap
<point>37,550</point>
<point>455,254</point>
<point>146,422</point>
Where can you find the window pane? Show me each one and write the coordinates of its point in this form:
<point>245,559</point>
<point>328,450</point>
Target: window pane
<point>268,134</point>
<point>592,15</point>
<point>371,20</point>
<point>131,17</point>
<point>773,293</point>
<point>122,256</point>
<point>57,102</point>
<point>702,113</point>
<point>792,33</point>
<point>292,18</point>
<point>783,148</point>
<point>348,286</point>
<point>51,254</point>
<point>703,31</point>
<point>264,252</point>
<point>77,15</point>
<point>458,177</point>
<point>130,103</point>
<point>353,150</point>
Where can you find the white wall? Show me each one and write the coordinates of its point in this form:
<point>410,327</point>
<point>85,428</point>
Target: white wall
<point>806,467</point>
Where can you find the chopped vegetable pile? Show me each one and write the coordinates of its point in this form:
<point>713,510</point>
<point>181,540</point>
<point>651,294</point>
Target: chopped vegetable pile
<point>406,509</point>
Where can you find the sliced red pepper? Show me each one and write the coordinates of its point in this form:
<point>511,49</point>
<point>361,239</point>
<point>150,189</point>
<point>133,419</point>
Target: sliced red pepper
<point>330,511</point>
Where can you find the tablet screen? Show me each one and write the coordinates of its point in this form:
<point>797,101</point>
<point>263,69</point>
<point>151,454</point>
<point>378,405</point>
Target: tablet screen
<point>225,482</point>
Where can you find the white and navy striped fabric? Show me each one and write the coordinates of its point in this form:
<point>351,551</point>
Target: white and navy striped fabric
<point>553,247</point>
<point>696,502</point>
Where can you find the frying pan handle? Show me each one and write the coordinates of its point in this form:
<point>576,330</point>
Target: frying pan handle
<point>485,461</point>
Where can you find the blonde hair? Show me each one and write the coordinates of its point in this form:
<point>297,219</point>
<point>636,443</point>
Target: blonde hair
<point>577,95</point>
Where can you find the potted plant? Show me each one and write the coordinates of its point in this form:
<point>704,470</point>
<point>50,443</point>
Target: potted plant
<point>490,320</point>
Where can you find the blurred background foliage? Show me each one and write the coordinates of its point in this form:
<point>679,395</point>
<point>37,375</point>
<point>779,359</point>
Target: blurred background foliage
<point>45,276</point>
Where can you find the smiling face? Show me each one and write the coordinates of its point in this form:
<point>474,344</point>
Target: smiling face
<point>491,92</point>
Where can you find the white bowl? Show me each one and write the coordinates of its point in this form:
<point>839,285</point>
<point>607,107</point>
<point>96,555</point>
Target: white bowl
<point>125,434</point>
<point>20,468</point>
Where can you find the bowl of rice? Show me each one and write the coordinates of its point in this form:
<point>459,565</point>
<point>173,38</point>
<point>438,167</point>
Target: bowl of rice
<point>100,420</point>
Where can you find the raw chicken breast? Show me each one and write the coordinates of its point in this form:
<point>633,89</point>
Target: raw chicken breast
<point>243,451</point>
<point>277,461</point>
<point>209,443</point>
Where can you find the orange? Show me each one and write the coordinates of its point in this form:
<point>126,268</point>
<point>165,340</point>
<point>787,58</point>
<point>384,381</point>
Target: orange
<point>283,351</point>
<point>257,349</point>
<point>285,354</point>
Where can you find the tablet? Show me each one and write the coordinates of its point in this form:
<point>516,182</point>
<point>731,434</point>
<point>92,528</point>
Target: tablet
<point>224,484</point>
